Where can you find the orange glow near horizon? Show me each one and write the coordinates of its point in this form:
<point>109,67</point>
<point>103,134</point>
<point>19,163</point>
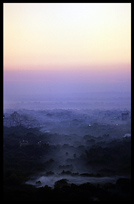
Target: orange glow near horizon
<point>65,36</point>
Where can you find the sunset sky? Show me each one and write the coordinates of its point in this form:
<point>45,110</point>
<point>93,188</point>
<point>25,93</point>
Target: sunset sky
<point>66,47</point>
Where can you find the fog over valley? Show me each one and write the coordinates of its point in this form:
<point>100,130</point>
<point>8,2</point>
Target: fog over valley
<point>68,135</point>
<point>67,102</point>
<point>74,144</point>
<point>82,100</point>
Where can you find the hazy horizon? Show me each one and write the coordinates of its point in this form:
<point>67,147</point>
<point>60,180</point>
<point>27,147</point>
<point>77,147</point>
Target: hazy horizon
<point>66,50</point>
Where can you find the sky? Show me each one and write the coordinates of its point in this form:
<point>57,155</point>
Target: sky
<point>52,48</point>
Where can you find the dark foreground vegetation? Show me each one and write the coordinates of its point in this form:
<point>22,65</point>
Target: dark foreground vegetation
<point>84,192</point>
<point>87,156</point>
